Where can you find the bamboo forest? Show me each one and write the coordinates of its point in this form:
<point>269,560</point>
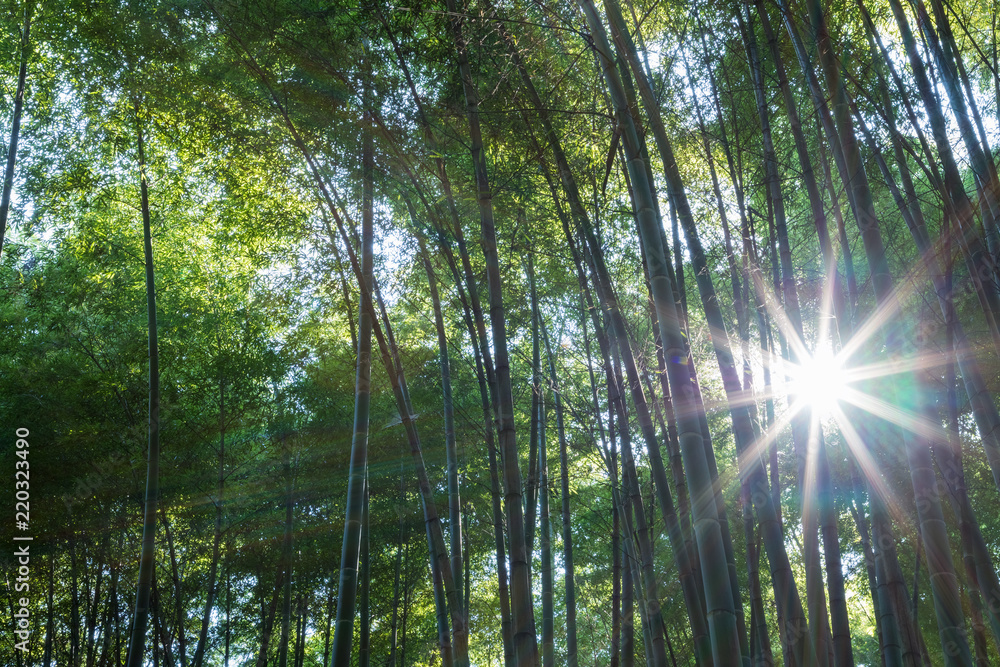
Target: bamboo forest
<point>500,333</point>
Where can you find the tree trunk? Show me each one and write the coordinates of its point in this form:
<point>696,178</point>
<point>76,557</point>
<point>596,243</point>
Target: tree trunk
<point>137,643</point>
<point>94,603</point>
<point>394,626</point>
<point>50,622</point>
<point>628,616</point>
<point>441,608</point>
<point>545,539</point>
<point>301,624</point>
<point>210,595</point>
<point>160,626</point>
<point>15,126</point>
<point>329,624</point>
<point>569,585</point>
<point>406,606</point>
<point>350,553</point>
<point>364,640</point>
<point>175,579</point>
<point>813,466</point>
<point>451,448</point>
<point>268,617</point>
<point>286,552</point>
<point>531,489</point>
<point>526,647</point>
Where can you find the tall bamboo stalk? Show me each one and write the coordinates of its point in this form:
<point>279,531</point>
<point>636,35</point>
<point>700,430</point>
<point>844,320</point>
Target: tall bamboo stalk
<point>813,465</point>
<point>343,635</point>
<point>15,125</point>
<point>569,584</point>
<point>593,253</point>
<point>451,448</point>
<point>934,536</point>
<point>720,603</point>
<point>286,550</point>
<point>545,540</point>
<point>147,557</point>
<point>525,642</point>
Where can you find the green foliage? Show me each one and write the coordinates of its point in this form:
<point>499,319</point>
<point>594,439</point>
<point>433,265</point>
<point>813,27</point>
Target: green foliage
<point>258,303</point>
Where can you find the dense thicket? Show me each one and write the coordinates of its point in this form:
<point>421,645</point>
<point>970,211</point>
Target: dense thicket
<point>512,333</point>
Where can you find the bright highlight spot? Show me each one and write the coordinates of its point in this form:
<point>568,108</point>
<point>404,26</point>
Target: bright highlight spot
<point>820,381</point>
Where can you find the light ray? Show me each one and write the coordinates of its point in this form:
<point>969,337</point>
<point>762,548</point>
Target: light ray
<point>764,440</point>
<point>777,312</point>
<point>882,369</point>
<point>826,310</point>
<point>809,483</point>
<point>912,422</point>
<point>870,469</point>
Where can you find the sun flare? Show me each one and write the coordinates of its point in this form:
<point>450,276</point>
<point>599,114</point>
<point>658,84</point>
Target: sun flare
<point>820,382</point>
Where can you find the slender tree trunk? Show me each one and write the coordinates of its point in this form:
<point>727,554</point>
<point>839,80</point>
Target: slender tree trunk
<point>441,609</point>
<point>628,616</point>
<point>268,617</point>
<point>210,594</point>
<point>137,642</point>
<point>15,126</point>
<point>109,626</point>
<point>94,602</point>
<point>286,553</point>
<point>394,626</point>
<point>228,625</point>
<point>160,625</point>
<point>329,623</point>
<point>175,580</point>
<point>350,553</point>
<point>569,585</point>
<point>616,562</point>
<point>364,640</point>
<point>531,489</point>
<point>50,620</point>
<point>526,647</point>
<point>406,606</point>
<point>545,539</point>
<point>451,448</point>
<point>300,629</point>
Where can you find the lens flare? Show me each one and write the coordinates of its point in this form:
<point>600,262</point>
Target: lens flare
<point>820,381</point>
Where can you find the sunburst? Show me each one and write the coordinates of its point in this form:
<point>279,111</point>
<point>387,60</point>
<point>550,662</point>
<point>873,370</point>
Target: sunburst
<point>820,381</point>
<point>837,390</point>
